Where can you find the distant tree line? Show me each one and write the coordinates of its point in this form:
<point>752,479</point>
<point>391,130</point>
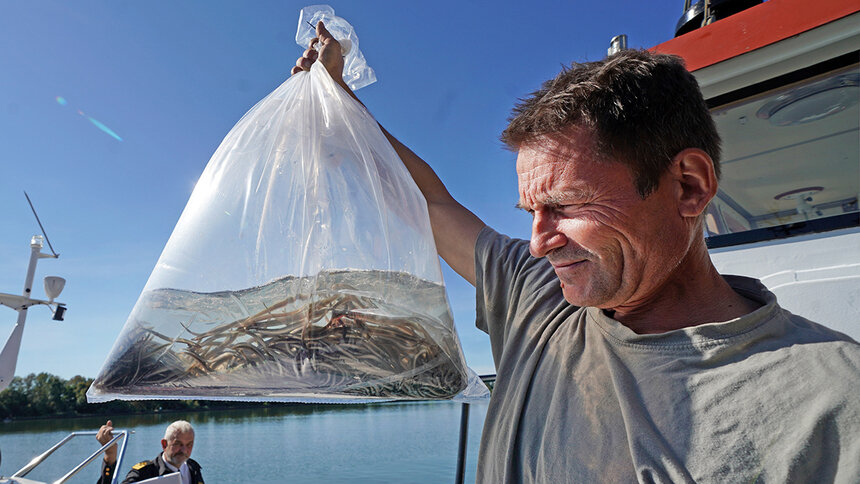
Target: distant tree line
<point>46,395</point>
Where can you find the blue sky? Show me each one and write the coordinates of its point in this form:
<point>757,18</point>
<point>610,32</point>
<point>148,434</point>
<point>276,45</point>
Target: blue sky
<point>149,90</point>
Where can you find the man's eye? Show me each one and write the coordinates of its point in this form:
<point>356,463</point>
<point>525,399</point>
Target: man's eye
<point>570,207</point>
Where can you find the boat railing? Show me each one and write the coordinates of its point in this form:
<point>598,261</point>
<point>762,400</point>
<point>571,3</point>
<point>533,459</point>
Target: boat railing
<point>118,434</point>
<point>490,381</point>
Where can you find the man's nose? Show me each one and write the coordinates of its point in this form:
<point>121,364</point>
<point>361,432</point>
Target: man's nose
<point>545,234</point>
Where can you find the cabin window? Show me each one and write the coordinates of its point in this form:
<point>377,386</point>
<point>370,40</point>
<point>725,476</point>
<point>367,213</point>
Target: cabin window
<point>791,160</point>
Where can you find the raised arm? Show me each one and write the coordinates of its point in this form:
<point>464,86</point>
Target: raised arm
<point>455,228</point>
<point>104,435</point>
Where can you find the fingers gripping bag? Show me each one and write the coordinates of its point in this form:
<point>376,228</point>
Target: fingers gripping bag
<point>303,268</point>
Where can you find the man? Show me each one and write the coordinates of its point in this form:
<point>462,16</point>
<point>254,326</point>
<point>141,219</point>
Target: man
<point>176,447</point>
<point>622,354</point>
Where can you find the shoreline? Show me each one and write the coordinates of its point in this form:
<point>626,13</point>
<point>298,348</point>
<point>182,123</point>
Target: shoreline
<point>250,405</point>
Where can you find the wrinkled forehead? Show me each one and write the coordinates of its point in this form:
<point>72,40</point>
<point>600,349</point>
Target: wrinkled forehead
<point>539,172</point>
<point>557,149</point>
<point>183,437</point>
<point>544,161</point>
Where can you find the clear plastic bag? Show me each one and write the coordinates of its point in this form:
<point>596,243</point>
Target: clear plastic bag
<point>303,268</point>
<point>356,72</point>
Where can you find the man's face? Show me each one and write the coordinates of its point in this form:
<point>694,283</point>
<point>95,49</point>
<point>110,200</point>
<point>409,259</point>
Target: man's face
<point>609,248</point>
<point>178,449</point>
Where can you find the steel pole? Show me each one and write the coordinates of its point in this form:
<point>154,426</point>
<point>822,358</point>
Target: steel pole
<point>461,452</point>
<point>9,355</point>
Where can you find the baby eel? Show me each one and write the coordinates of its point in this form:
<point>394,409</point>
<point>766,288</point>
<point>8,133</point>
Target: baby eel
<point>340,339</point>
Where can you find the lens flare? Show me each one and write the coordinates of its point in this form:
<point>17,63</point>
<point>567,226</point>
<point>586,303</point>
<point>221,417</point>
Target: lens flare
<point>98,124</point>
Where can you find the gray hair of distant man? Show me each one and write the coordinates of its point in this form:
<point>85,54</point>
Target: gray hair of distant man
<point>178,427</point>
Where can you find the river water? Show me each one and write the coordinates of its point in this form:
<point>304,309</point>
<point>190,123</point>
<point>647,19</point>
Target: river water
<point>414,442</point>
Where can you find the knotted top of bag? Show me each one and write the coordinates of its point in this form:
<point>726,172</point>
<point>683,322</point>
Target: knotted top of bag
<point>356,72</point>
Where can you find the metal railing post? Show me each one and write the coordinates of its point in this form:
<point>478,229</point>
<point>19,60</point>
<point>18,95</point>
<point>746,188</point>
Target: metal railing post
<point>120,434</point>
<point>461,452</point>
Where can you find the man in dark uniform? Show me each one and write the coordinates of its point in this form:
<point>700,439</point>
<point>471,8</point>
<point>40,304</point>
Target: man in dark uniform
<point>176,456</point>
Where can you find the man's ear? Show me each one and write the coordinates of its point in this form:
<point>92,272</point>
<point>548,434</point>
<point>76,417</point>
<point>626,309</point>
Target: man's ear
<point>697,182</point>
<point>163,444</point>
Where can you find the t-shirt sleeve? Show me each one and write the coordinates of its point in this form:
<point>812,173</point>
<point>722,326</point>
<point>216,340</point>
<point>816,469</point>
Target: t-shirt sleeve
<point>508,284</point>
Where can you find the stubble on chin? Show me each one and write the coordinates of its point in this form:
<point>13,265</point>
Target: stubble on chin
<point>596,291</point>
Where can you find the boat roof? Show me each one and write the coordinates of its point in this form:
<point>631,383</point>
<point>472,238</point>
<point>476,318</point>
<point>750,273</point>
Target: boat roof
<point>754,28</point>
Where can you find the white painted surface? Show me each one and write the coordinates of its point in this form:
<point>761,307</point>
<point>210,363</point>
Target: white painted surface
<point>816,276</point>
<point>826,42</point>
<point>165,479</point>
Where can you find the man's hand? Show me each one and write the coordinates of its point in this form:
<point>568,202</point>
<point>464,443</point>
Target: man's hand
<point>455,228</point>
<point>329,54</point>
<point>104,435</point>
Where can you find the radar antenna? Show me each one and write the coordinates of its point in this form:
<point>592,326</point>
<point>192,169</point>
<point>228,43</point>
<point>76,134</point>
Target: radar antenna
<point>40,225</point>
<point>53,286</point>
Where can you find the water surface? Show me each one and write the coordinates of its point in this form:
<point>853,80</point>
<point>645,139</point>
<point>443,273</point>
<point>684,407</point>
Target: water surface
<point>413,442</point>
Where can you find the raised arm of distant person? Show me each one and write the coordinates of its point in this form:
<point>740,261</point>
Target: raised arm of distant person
<point>104,435</point>
<point>455,228</point>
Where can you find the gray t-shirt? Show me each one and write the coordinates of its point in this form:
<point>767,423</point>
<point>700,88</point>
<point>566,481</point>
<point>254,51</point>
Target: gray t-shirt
<point>768,397</point>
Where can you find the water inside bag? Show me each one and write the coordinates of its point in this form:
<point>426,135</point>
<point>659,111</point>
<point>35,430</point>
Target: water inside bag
<point>344,335</point>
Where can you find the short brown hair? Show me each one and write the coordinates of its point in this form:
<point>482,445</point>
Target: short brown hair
<point>644,109</point>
